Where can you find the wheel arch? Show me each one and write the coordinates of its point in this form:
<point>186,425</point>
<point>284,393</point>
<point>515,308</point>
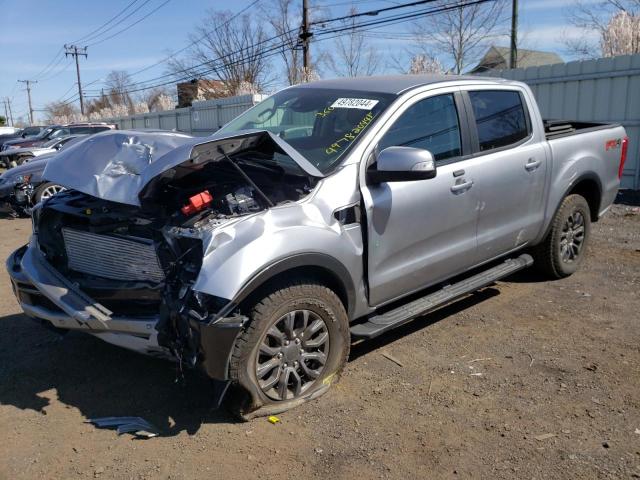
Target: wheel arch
<point>590,188</point>
<point>318,266</point>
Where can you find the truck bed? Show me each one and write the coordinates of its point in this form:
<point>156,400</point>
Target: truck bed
<point>564,128</point>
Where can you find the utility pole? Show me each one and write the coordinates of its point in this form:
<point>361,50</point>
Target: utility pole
<point>514,34</point>
<point>76,51</point>
<point>10,112</point>
<point>28,83</point>
<point>304,36</point>
<point>6,113</point>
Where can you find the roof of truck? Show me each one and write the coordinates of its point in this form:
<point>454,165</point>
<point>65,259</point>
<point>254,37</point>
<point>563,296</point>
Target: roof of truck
<point>393,83</point>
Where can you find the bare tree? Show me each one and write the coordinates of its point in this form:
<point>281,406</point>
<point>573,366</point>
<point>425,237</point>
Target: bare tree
<point>284,17</point>
<point>119,83</point>
<point>622,36</point>
<point>157,99</point>
<point>351,56</point>
<point>229,48</point>
<point>461,33</point>
<point>422,63</point>
<point>604,18</point>
<point>414,62</point>
<point>56,110</point>
<point>98,104</point>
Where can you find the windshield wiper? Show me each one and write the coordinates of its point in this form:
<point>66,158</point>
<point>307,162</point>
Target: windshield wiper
<point>245,176</point>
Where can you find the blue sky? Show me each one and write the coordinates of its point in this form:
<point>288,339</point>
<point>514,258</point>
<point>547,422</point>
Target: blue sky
<point>33,32</point>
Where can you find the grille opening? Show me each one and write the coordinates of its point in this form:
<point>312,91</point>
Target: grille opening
<point>112,256</point>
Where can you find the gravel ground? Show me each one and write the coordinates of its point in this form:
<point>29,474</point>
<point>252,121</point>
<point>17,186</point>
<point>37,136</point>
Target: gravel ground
<point>526,379</point>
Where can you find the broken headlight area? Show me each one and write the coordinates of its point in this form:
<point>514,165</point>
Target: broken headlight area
<point>143,261</point>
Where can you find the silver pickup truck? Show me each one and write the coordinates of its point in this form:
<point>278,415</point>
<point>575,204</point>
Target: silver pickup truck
<point>332,211</point>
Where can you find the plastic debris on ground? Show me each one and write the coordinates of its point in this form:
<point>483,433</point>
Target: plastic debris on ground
<point>137,425</point>
<point>273,419</point>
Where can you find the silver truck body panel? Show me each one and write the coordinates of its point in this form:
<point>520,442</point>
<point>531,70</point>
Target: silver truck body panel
<point>417,233</point>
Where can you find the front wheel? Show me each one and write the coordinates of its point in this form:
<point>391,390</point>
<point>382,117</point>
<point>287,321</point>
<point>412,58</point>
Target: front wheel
<point>563,249</point>
<point>46,190</point>
<point>295,346</point>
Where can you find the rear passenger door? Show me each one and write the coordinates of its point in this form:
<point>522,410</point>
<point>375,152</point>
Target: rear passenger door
<point>514,165</point>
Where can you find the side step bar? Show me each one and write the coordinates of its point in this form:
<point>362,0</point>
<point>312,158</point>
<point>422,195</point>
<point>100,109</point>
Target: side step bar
<point>379,324</point>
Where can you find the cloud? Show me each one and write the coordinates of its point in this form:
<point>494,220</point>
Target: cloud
<point>553,37</point>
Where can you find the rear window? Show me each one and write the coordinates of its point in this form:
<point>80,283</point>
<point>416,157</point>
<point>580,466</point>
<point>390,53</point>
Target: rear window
<point>500,118</point>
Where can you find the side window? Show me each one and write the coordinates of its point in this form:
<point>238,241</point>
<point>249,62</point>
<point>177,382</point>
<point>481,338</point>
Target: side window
<point>81,130</point>
<point>431,124</point>
<point>500,118</point>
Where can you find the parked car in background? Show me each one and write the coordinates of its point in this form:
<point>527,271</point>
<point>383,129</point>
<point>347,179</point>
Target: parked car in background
<point>17,156</point>
<point>24,186</point>
<point>8,130</point>
<point>20,133</point>
<point>58,131</point>
<point>331,212</point>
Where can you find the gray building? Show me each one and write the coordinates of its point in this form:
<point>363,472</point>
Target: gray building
<point>499,58</point>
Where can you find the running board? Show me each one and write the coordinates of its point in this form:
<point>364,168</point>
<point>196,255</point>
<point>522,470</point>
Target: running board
<point>379,324</point>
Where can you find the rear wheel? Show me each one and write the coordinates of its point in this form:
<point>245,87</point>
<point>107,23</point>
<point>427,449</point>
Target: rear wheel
<point>295,346</point>
<point>46,190</point>
<point>563,250</point>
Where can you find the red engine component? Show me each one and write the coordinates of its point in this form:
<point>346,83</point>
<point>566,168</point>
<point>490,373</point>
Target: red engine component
<point>198,202</point>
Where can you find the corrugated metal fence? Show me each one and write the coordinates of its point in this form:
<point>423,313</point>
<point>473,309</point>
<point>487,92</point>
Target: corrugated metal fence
<point>602,90</point>
<point>203,118</point>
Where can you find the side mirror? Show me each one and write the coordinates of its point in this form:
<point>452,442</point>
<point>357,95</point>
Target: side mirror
<point>402,164</point>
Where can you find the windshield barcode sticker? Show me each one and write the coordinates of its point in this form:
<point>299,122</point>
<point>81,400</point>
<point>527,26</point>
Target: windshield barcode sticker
<point>359,103</point>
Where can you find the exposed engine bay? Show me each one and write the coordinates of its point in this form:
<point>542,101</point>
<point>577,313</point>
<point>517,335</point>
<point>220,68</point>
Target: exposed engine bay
<point>138,261</point>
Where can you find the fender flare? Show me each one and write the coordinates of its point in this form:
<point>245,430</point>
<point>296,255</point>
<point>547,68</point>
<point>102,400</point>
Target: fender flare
<point>310,259</point>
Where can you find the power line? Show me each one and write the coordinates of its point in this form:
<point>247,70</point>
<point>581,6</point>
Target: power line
<point>132,24</point>
<point>373,12</point>
<point>197,39</point>
<point>50,65</point>
<point>90,34</point>
<point>323,34</point>
<point>55,74</point>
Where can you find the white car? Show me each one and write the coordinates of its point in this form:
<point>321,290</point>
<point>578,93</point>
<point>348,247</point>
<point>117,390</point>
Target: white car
<point>8,130</point>
<point>16,156</point>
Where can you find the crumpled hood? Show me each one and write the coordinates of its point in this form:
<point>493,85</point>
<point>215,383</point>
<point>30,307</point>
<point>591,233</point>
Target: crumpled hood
<point>117,165</point>
<point>27,168</point>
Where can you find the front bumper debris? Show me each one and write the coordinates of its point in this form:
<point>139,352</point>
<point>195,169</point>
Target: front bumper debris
<point>47,296</point>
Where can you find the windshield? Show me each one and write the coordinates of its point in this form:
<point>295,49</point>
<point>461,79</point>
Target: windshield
<point>58,133</point>
<point>45,132</point>
<point>321,124</point>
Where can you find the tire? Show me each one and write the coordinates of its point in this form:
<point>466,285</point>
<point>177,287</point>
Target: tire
<point>267,351</point>
<point>24,159</point>
<point>564,248</point>
<point>46,190</point>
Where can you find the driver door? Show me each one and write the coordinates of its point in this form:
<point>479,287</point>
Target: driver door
<point>423,232</point>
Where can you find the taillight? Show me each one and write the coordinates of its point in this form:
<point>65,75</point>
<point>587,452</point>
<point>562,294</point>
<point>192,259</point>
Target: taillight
<point>623,155</point>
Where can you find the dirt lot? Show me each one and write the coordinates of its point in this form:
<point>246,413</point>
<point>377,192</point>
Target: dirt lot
<point>527,379</point>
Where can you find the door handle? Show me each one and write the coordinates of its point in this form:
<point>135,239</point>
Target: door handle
<point>532,164</point>
<point>459,187</point>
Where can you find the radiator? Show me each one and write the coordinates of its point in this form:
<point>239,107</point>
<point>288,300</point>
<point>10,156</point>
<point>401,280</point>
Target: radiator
<point>110,256</point>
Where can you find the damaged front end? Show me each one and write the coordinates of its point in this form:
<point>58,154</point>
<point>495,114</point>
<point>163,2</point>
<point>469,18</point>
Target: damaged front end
<point>120,253</point>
